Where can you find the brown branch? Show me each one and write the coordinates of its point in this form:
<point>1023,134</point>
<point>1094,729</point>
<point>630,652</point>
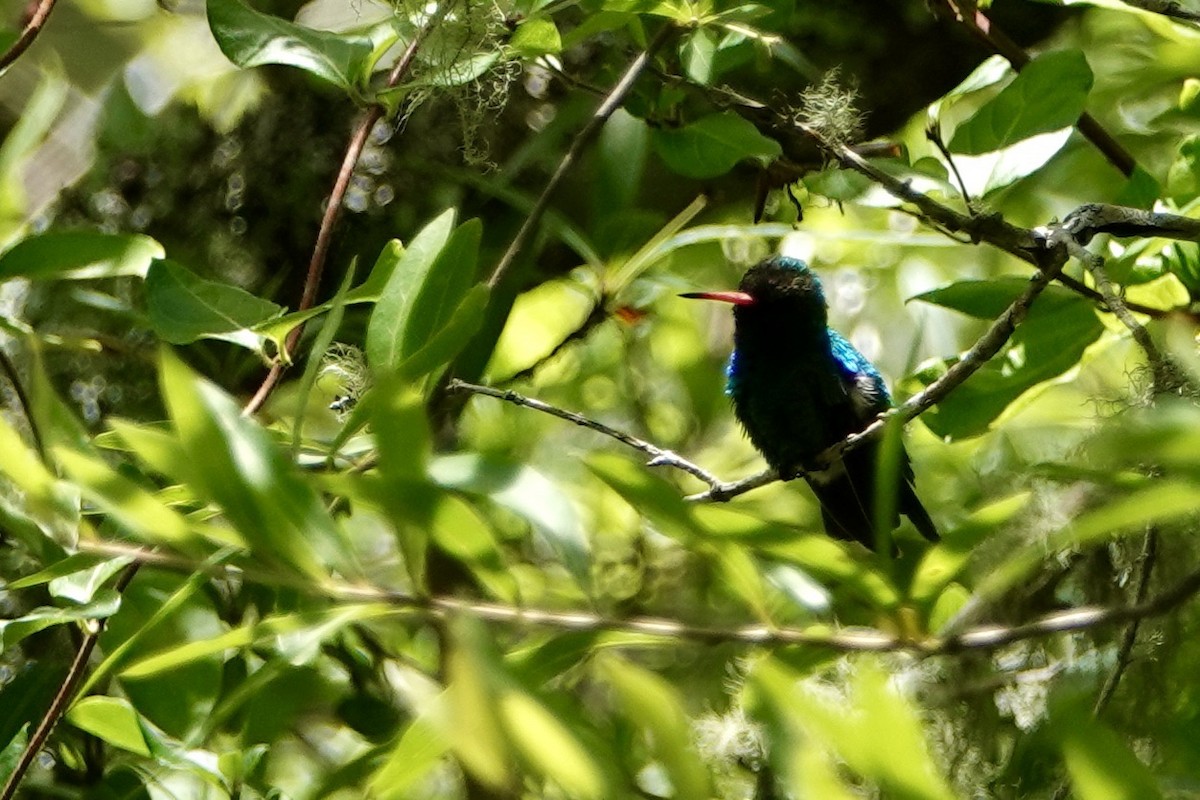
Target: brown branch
<point>1026,244</point>
<point>30,32</point>
<point>848,639</point>
<point>66,692</point>
<point>333,211</point>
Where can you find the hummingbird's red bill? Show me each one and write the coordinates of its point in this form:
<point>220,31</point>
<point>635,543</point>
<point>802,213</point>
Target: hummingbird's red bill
<point>737,298</point>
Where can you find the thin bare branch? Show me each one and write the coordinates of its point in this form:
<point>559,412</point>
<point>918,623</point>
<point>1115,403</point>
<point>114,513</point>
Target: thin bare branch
<point>66,692</point>
<point>659,457</point>
<point>846,639</point>
<point>333,211</point>
<point>1141,588</point>
<point>30,32</point>
<point>607,107</point>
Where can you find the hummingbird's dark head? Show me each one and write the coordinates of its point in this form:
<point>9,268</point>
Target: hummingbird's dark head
<point>777,296</point>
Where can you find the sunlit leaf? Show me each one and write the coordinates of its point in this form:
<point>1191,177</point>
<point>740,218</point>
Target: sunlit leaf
<point>79,255</point>
<point>132,506</point>
<point>415,753</point>
<point>321,624</point>
<point>14,630</point>
<point>550,747</point>
<point>112,720</point>
<point>249,38</point>
<point>392,335</point>
<point>536,37</point>
<point>1047,95</point>
<point>526,492</point>
<point>656,707</point>
<point>239,466</point>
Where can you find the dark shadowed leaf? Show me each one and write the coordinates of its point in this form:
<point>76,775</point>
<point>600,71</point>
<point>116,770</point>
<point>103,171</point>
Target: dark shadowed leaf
<point>184,307</point>
<point>712,145</point>
<point>1050,341</point>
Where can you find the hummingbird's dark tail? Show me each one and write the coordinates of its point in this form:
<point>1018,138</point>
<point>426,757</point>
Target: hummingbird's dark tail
<point>848,497</point>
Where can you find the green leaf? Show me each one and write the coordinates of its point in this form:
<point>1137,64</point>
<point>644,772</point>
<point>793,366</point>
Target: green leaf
<point>319,624</point>
<point>184,307</point>
<point>1099,763</point>
<point>127,503</point>
<point>78,255</point>
<point>876,731</point>
<point>697,53</point>
<point>550,747</point>
<point>158,449</point>
<point>388,331</point>
<point>13,631</point>
<point>536,37</point>
<point>321,344</point>
<point>111,719</point>
<point>44,495</point>
<point>402,435</point>
<point>712,145</point>
<point>249,38</point>
<point>992,171</point>
<point>235,463</point>
<point>11,754</point>
<point>452,337</point>
<point>655,706</point>
<point>1048,94</point>
<point>943,563</point>
<point>459,531</point>
<point>1157,500</point>
<point>1051,340</point>
<point>417,751</point>
<point>380,274</point>
<point>526,492</point>
<point>474,677</point>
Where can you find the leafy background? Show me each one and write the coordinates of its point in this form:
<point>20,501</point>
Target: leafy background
<point>375,586</point>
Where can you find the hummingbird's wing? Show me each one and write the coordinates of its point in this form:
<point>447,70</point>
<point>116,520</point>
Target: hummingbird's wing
<point>867,393</point>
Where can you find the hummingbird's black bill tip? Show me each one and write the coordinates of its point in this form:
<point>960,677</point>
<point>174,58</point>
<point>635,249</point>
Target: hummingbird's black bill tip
<point>736,298</point>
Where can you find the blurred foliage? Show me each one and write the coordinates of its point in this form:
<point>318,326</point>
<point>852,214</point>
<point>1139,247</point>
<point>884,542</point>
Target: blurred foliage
<point>376,588</point>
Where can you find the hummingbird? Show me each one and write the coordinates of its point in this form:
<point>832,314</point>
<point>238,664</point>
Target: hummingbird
<point>799,387</point>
